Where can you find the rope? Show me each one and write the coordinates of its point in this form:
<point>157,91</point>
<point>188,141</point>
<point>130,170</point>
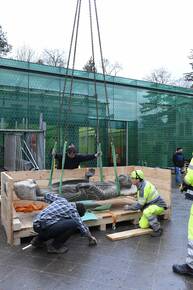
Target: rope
<point>107,103</point>
<point>75,31</point>
<point>99,159</point>
<point>94,72</point>
<point>74,56</point>
<point>61,103</point>
<point>61,106</point>
<point>103,70</point>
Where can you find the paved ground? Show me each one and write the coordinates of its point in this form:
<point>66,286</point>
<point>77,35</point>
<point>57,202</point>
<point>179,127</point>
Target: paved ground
<point>141,263</point>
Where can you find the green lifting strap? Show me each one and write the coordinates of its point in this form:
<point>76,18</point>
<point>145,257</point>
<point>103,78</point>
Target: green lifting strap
<point>63,162</point>
<point>100,163</point>
<point>103,207</point>
<point>115,168</point>
<point>52,165</point>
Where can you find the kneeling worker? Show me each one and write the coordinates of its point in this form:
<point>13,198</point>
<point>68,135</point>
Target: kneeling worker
<point>148,201</point>
<point>59,221</point>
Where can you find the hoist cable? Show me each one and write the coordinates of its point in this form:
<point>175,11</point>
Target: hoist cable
<point>103,70</point>
<point>107,104</point>
<point>61,104</point>
<point>99,159</point>
<point>74,56</point>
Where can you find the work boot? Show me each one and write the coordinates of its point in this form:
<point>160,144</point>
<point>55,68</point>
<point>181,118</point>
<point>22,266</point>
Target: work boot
<point>52,250</point>
<point>183,269</point>
<point>157,233</point>
<point>37,243</point>
<point>179,185</point>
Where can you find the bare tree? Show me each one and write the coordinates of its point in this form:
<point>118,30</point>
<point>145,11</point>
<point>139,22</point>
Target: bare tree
<point>111,68</point>
<point>160,76</point>
<point>4,46</point>
<point>189,76</point>
<point>25,53</point>
<point>54,57</point>
<point>182,82</point>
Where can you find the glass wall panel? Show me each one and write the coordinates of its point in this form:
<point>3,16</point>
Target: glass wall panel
<point>148,120</point>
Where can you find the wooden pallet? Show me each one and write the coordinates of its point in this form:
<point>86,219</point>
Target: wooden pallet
<point>114,216</point>
<point>22,222</point>
<point>18,225</point>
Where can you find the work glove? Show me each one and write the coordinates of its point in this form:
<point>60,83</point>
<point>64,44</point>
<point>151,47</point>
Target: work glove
<point>54,152</point>
<point>90,173</point>
<point>128,207</point>
<point>98,154</point>
<point>92,241</point>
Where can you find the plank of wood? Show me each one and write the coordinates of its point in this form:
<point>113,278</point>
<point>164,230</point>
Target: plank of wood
<point>44,174</point>
<point>129,234</point>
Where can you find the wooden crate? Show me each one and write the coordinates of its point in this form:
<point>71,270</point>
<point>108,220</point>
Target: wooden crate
<point>19,225</point>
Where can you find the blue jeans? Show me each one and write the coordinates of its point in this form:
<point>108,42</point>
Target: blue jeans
<point>60,232</point>
<point>178,175</point>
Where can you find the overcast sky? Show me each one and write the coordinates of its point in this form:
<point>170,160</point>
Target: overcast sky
<point>141,35</point>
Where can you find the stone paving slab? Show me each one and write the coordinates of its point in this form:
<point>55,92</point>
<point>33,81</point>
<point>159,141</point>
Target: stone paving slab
<point>139,263</point>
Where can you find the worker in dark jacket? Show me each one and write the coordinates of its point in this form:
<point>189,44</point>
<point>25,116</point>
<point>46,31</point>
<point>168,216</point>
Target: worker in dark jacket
<point>178,160</point>
<point>58,222</point>
<point>73,159</point>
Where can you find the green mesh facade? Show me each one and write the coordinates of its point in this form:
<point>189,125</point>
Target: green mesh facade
<point>148,121</point>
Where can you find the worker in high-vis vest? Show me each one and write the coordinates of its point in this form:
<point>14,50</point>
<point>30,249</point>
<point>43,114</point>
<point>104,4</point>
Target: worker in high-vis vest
<point>148,201</point>
<point>187,268</point>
